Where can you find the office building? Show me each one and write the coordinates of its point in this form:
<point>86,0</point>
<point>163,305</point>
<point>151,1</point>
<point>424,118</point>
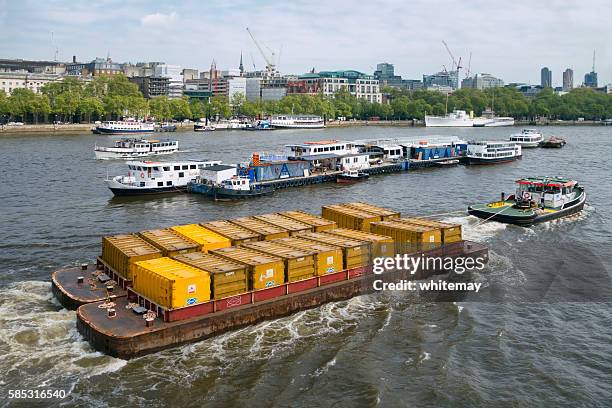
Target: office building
<point>174,74</point>
<point>152,86</point>
<point>482,81</point>
<point>546,78</point>
<point>11,80</point>
<point>441,80</point>
<point>590,79</point>
<point>568,79</point>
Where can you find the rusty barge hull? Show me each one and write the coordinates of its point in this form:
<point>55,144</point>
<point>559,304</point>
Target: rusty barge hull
<point>127,336</point>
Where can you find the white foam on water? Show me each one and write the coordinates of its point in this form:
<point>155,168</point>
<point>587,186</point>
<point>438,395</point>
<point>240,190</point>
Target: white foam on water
<point>424,356</point>
<point>322,370</point>
<point>387,320</point>
<point>42,344</point>
<point>474,229</point>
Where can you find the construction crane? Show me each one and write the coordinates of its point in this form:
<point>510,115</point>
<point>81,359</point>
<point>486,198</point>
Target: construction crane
<point>269,63</point>
<point>456,65</point>
<point>469,67</point>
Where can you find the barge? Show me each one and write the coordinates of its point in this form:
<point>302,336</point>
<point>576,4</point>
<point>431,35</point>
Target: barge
<point>160,288</point>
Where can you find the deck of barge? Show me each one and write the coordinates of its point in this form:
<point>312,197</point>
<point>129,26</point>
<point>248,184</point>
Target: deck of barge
<point>71,294</point>
<point>126,335</point>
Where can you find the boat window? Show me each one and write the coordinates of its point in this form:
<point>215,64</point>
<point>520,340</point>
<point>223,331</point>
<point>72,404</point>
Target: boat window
<point>160,184</point>
<point>142,184</point>
<point>185,167</point>
<point>200,166</point>
<point>192,166</point>
<point>169,183</point>
<point>166,168</point>
<point>177,167</point>
<point>181,174</point>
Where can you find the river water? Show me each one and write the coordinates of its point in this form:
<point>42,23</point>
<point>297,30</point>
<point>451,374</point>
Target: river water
<point>538,334</point>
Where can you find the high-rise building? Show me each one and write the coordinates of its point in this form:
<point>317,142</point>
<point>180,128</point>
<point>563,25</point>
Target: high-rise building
<point>442,80</point>
<point>482,81</point>
<point>385,73</point>
<point>568,79</point>
<point>174,73</point>
<point>590,79</point>
<point>546,78</point>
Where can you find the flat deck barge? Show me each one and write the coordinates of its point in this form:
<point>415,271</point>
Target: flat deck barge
<point>127,334</point>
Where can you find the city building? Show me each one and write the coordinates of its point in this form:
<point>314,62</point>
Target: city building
<point>568,79</point>
<point>34,67</point>
<point>385,74</point>
<point>441,80</point>
<point>190,74</point>
<point>174,74</point>
<point>152,86</point>
<point>546,78</point>
<point>412,84</point>
<point>527,90</point>
<point>97,67</point>
<point>482,81</point>
<point>590,79</point>
<point>330,82</point>
<point>11,80</point>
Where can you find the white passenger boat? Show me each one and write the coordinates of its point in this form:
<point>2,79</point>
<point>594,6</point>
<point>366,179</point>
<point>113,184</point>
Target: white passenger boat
<point>135,148</point>
<point>457,118</point>
<point>203,127</point>
<point>492,152</point>
<point>145,177</point>
<point>124,127</point>
<point>297,121</point>
<point>527,138</point>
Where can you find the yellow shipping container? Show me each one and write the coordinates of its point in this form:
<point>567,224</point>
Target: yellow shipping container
<point>385,213</point>
<point>318,224</point>
<point>264,270</point>
<point>294,227</point>
<point>408,237</point>
<point>327,258</point>
<point>349,217</point>
<point>120,252</point>
<point>171,284</point>
<point>169,242</point>
<point>228,278</point>
<point>299,264</point>
<point>265,230</point>
<point>238,235</point>
<point>204,237</point>
<point>380,245</point>
<point>356,252</point>
<point>450,232</point>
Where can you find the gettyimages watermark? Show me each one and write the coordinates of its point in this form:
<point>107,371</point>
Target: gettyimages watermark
<point>412,267</point>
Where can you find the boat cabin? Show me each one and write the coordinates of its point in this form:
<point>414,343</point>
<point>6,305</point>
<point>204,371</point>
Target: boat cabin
<point>549,192</point>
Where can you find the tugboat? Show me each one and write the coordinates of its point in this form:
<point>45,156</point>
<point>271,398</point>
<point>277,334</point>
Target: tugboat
<point>537,199</point>
<point>351,176</point>
<point>553,143</point>
<point>238,187</point>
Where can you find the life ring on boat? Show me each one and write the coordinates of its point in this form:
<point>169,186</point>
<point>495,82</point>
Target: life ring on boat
<point>141,174</point>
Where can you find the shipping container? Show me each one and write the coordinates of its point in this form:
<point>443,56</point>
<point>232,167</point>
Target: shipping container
<point>408,237</point>
<point>266,231</point>
<point>264,270</point>
<point>294,227</point>
<point>380,245</point>
<point>349,217</point>
<point>319,224</point>
<point>169,242</point>
<point>385,213</point>
<point>356,253</point>
<point>299,264</point>
<point>204,237</point>
<point>228,278</point>
<point>120,252</point>
<point>450,232</point>
<point>170,283</point>
<point>328,258</point>
<point>238,235</point>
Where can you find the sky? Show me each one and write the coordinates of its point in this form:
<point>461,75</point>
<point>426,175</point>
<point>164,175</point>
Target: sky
<point>512,40</point>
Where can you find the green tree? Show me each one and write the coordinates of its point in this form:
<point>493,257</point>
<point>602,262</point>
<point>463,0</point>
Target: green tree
<point>160,108</point>
<point>180,109</point>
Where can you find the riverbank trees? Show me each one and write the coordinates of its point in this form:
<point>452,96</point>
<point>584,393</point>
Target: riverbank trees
<point>111,97</point>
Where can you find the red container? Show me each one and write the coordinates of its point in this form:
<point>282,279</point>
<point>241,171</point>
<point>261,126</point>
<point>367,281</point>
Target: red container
<point>270,293</point>
<point>232,301</point>
<point>332,277</point>
<point>302,285</point>
<point>188,312</point>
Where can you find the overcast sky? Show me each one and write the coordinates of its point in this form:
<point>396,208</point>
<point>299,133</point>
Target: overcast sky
<point>511,40</point>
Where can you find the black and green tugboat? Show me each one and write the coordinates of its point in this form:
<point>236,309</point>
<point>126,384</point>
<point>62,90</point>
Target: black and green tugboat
<point>537,199</point>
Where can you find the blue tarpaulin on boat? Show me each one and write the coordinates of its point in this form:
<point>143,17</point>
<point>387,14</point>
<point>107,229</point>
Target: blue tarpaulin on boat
<point>278,170</point>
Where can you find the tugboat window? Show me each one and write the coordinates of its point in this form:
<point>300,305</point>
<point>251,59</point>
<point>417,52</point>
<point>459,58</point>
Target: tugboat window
<point>177,167</point>
<point>185,167</point>
<point>193,166</point>
<point>181,174</point>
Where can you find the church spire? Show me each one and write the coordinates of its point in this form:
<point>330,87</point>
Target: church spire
<point>241,67</point>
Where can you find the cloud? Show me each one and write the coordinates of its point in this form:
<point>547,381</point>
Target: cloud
<point>157,19</point>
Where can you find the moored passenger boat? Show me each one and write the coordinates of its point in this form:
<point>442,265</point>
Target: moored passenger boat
<point>537,199</point>
<point>124,127</point>
<point>134,148</point>
<point>527,138</point>
<point>492,152</point>
<point>297,121</point>
<point>146,177</point>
